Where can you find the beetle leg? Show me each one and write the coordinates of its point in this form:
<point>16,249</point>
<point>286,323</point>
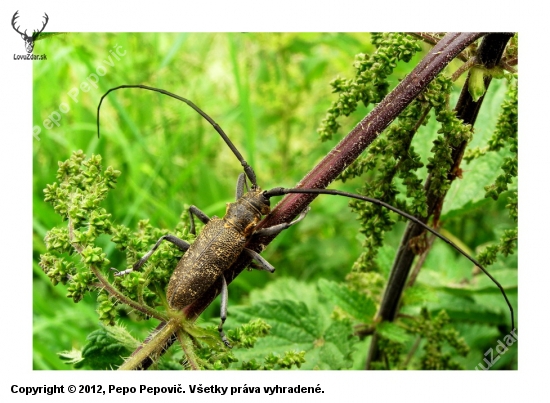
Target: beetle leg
<point>180,243</point>
<point>223,311</point>
<point>280,227</point>
<point>261,263</point>
<point>194,211</point>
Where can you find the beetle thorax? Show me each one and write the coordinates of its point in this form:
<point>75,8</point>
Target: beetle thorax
<point>247,212</point>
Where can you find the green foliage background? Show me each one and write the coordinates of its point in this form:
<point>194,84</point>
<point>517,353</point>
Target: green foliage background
<point>269,92</point>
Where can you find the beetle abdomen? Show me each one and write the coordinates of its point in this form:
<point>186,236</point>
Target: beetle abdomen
<point>217,247</point>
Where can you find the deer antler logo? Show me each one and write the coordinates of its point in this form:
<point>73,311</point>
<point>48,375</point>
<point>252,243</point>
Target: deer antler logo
<point>29,40</point>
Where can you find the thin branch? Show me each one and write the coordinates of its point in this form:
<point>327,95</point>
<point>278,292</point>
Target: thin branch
<point>464,68</point>
<point>107,286</point>
<point>154,348</point>
<point>420,262</point>
<point>411,352</point>
<point>124,299</point>
<point>187,351</point>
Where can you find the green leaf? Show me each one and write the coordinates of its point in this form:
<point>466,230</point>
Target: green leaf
<point>352,302</point>
<point>71,357</point>
<point>286,288</point>
<point>476,87</point>
<point>393,332</point>
<point>339,334</point>
<point>469,309</point>
<point>419,294</point>
<point>294,327</point>
<point>468,193</point>
<point>288,319</point>
<point>107,347</point>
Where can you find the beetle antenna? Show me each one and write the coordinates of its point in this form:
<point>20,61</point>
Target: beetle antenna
<point>247,168</point>
<point>283,191</point>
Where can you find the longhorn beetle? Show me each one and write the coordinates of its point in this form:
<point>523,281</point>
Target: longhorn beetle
<point>222,241</point>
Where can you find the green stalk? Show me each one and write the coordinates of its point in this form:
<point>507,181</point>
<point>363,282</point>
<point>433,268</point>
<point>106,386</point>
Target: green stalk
<point>154,348</point>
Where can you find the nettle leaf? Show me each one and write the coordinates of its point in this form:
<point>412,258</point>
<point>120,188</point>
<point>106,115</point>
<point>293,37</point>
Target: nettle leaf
<point>393,332</point>
<point>455,287</point>
<point>336,350</point>
<point>468,193</point>
<point>417,295</point>
<point>474,302</point>
<point>473,299</point>
<point>289,320</point>
<point>286,288</point>
<point>107,347</point>
<point>295,328</point>
<point>469,309</point>
<point>443,267</point>
<point>352,302</point>
<point>508,278</point>
<point>72,357</point>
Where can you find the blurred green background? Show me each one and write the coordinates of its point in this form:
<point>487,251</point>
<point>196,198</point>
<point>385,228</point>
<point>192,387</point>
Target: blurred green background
<point>269,92</point>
